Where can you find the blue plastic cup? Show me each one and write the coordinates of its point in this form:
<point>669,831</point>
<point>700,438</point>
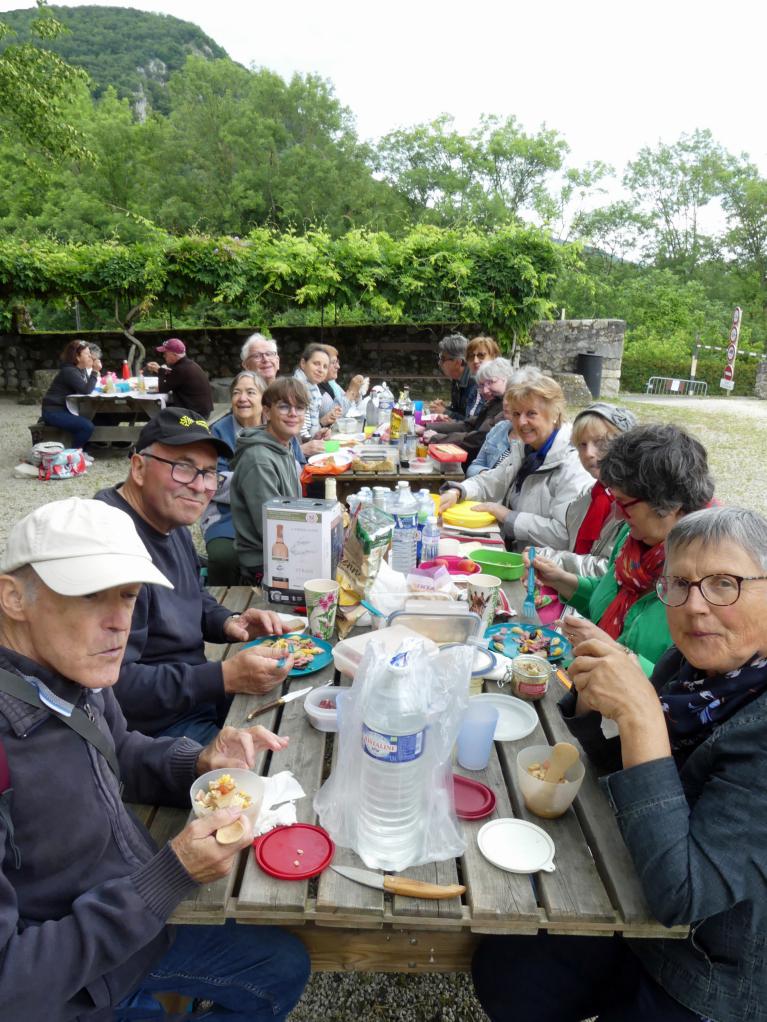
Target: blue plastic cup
<point>475,738</point>
<point>417,412</point>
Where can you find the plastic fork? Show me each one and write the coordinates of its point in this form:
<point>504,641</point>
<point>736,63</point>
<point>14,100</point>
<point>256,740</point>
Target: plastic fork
<point>528,607</point>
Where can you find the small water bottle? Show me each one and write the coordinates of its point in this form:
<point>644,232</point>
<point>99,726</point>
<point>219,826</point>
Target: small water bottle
<point>394,771</point>
<point>385,405</point>
<point>430,539</point>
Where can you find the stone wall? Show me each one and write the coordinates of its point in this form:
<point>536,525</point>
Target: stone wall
<point>397,353</point>
<point>557,344</point>
<point>760,387</point>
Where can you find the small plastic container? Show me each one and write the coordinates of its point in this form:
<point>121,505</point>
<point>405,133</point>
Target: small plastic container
<point>541,797</point>
<point>461,516</point>
<point>500,563</point>
<point>320,717</point>
<point>448,454</point>
<point>244,780</point>
<point>348,425</point>
<point>530,677</point>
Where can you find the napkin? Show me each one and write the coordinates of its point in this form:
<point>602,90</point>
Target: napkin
<point>278,808</point>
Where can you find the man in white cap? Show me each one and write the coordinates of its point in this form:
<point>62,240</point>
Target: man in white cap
<point>84,893</point>
<point>183,378</point>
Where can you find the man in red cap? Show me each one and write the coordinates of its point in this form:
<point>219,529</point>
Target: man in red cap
<point>183,378</point>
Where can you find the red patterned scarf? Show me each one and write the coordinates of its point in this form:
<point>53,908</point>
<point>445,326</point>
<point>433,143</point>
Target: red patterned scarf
<point>637,568</point>
<point>591,526</point>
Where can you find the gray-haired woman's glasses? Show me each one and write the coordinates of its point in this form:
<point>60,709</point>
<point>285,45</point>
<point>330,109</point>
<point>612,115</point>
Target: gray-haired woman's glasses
<point>718,590</point>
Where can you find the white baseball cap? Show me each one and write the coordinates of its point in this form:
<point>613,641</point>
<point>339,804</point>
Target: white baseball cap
<point>79,547</point>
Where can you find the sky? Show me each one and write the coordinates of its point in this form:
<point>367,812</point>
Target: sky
<point>610,77</point>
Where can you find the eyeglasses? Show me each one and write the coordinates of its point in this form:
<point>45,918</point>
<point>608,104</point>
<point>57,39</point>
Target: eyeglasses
<point>448,358</point>
<point>487,384</point>
<point>285,409</point>
<point>262,356</point>
<point>624,505</point>
<point>183,472</point>
<point>718,590</point>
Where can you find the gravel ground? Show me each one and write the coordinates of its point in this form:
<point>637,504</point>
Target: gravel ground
<point>735,433</point>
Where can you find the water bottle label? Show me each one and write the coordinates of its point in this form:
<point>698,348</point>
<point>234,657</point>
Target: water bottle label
<point>392,748</point>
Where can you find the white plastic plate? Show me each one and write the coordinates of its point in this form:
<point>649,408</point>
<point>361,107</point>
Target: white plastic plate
<point>516,718</point>
<point>517,846</point>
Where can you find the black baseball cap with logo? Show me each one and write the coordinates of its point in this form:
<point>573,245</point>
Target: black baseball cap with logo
<point>178,426</point>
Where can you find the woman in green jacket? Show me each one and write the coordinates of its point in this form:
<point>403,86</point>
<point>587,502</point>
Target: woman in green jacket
<point>657,474</point>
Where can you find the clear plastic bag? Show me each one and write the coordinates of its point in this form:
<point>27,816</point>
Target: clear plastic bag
<point>405,816</point>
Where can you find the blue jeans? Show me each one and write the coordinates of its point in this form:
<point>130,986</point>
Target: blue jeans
<point>550,978</point>
<point>251,973</point>
<point>80,427</point>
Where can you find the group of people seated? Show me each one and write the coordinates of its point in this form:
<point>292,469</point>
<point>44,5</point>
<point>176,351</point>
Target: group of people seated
<point>104,620</point>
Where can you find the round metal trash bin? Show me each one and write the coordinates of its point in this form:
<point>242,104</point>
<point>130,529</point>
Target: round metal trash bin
<point>589,365</point>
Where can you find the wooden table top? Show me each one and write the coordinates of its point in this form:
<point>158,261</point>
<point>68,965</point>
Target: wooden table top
<point>593,890</point>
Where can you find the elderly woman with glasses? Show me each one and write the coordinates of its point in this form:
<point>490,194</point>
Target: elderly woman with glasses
<point>259,355</point>
<point>451,359</point>
<point>492,378</point>
<point>78,374</point>
<point>656,475</point>
<point>530,491</point>
<point>688,787</point>
<point>264,467</point>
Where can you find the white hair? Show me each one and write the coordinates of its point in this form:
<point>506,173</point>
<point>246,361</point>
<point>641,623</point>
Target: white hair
<point>713,526</point>
<point>252,340</point>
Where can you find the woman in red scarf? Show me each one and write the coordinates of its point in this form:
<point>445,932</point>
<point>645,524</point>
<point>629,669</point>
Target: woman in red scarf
<point>656,475</point>
<point>592,523</point>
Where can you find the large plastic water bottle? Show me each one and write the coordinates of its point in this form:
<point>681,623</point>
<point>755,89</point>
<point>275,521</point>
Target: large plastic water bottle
<point>385,405</point>
<point>394,774</point>
<point>430,539</point>
<point>404,544</point>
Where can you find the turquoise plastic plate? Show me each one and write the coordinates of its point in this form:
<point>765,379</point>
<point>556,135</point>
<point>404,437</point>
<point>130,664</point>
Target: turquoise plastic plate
<point>505,639</point>
<point>320,660</point>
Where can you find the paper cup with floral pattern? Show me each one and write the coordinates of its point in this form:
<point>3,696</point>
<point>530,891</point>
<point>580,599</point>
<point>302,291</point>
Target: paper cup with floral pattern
<point>321,604</point>
<point>484,595</point>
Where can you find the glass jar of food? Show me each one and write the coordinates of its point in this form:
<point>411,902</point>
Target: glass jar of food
<point>530,677</point>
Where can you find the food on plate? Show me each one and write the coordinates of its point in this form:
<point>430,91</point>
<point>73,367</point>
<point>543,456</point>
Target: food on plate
<point>222,793</point>
<point>535,641</point>
<point>303,649</point>
<point>538,771</point>
<point>358,465</point>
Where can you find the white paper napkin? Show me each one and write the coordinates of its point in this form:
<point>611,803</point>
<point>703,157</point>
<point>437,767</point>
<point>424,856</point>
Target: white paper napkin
<point>278,808</point>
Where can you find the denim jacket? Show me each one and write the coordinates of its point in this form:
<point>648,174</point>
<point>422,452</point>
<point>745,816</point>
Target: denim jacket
<point>495,446</point>
<point>698,838</point>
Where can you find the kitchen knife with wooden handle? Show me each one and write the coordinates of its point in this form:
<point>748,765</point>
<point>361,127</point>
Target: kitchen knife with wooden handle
<point>400,885</point>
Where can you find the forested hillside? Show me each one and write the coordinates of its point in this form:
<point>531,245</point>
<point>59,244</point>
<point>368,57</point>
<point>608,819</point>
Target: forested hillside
<point>133,51</point>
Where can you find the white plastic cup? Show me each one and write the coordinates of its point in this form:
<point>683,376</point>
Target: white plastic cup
<point>475,738</point>
<point>484,595</point>
<point>321,596</point>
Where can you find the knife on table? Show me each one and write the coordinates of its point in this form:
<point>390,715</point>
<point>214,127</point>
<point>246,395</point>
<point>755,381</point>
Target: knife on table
<point>278,702</point>
<point>399,885</point>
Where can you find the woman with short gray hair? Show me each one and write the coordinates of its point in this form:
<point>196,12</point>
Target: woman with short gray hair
<point>656,475</point>
<point>687,783</point>
<point>492,379</point>
<point>451,358</point>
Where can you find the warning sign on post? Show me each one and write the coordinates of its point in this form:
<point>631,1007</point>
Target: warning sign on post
<point>727,381</point>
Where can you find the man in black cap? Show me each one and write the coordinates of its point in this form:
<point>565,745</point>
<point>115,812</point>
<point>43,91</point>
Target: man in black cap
<point>184,379</point>
<point>167,686</point>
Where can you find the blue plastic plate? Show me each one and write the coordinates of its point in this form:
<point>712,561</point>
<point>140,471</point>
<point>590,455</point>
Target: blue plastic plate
<point>320,660</point>
<point>504,639</point>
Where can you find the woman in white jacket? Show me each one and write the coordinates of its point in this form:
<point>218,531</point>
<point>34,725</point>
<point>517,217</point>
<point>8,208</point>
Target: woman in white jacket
<point>591,522</point>
<point>529,493</point>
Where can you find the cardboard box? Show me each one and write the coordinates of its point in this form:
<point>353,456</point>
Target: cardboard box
<point>303,539</point>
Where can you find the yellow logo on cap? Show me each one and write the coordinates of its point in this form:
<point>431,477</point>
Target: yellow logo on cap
<point>187,420</point>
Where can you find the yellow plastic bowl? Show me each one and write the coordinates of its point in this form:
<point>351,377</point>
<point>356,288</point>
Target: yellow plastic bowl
<point>462,517</point>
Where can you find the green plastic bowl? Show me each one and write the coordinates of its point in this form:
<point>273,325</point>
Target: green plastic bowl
<point>500,563</point>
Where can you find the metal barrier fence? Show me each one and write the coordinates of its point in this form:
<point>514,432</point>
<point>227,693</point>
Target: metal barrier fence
<point>674,385</point>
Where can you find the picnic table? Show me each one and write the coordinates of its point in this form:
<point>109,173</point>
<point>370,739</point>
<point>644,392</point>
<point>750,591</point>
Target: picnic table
<point>346,926</point>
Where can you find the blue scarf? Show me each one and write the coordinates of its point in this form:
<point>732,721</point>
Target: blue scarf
<point>533,460</point>
<point>695,703</point>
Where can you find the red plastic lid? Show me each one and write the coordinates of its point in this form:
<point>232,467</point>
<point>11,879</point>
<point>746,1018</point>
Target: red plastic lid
<point>278,851</point>
<point>472,799</point>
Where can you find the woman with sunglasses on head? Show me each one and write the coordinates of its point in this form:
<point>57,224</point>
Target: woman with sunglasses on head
<point>656,475</point>
<point>79,374</point>
<point>264,467</point>
<point>687,784</point>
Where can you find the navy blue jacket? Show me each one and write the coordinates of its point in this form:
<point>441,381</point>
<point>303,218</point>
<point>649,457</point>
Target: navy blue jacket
<point>83,917</point>
<point>698,838</point>
<point>165,675</point>
<point>69,380</point>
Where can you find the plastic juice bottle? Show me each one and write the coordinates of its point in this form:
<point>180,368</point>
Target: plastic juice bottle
<point>125,370</point>
<point>396,420</point>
